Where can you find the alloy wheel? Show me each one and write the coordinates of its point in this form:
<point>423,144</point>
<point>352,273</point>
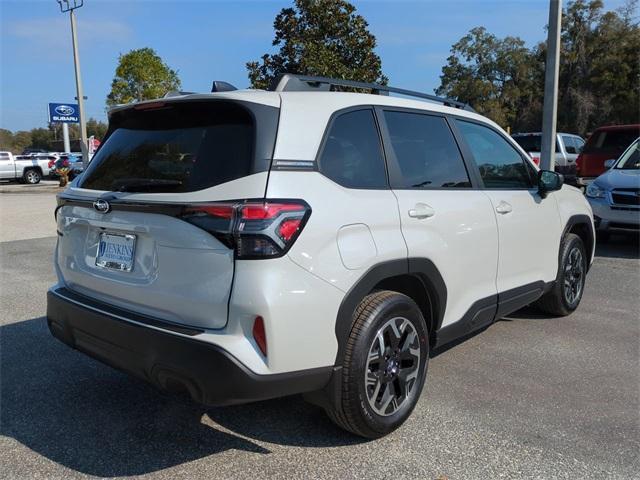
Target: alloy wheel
<point>392,366</point>
<point>573,275</point>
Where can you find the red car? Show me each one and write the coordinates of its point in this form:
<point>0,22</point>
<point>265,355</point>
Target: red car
<point>605,143</point>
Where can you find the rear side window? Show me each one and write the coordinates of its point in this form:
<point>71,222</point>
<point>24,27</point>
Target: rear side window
<point>4,156</point>
<point>612,140</point>
<point>427,154</point>
<point>352,154</point>
<point>179,147</point>
<point>499,163</point>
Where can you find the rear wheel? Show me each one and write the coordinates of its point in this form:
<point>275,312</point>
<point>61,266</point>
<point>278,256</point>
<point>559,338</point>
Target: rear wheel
<point>384,367</point>
<point>566,294</point>
<point>31,176</point>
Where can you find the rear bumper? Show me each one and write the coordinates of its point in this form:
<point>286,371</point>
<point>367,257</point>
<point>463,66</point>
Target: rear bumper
<point>170,358</point>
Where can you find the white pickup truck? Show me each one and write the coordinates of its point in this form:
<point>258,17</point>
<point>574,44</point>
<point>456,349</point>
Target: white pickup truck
<point>25,168</point>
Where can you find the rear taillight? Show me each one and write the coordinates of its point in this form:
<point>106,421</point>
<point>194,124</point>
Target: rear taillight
<point>254,229</point>
<point>536,160</point>
<point>578,163</point>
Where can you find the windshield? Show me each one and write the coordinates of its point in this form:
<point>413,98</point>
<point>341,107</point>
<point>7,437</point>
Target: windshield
<point>175,148</point>
<point>630,160</point>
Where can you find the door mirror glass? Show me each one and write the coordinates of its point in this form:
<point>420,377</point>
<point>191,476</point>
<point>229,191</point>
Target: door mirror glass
<point>609,163</point>
<point>549,181</point>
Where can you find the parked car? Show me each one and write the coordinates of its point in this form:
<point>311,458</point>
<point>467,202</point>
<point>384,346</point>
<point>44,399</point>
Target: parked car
<point>605,143</point>
<point>33,151</point>
<point>25,168</point>
<point>615,195</point>
<point>76,165</point>
<point>245,245</point>
<point>568,146</point>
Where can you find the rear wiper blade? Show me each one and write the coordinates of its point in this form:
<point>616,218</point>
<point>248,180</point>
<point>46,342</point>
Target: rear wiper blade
<point>127,184</point>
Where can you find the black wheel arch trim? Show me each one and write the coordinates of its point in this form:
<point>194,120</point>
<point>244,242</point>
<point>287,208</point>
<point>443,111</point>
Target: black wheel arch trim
<point>581,219</point>
<point>422,268</point>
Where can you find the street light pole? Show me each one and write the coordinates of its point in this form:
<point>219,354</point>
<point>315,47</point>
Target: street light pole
<point>70,6</point>
<point>550,108</point>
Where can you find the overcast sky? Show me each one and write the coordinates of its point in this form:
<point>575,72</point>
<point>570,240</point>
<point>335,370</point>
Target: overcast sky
<point>212,40</point>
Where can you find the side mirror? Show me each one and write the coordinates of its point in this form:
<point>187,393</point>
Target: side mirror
<point>549,181</point>
<point>609,163</point>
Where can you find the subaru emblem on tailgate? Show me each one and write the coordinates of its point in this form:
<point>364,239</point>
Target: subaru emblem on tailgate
<point>102,206</point>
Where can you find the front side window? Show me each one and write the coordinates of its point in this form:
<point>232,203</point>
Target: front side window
<point>426,151</point>
<point>352,155</point>
<point>569,144</point>
<point>499,163</point>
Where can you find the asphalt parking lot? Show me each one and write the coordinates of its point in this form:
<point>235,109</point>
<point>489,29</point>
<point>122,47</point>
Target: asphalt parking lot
<point>530,397</point>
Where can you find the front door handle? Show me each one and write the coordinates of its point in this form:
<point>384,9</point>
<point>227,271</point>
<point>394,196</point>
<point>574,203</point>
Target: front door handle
<point>504,208</point>
<point>421,210</point>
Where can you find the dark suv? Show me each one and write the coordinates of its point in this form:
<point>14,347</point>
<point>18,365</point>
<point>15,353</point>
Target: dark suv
<point>605,143</point>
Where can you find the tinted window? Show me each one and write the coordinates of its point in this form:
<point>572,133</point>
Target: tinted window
<point>569,144</point>
<point>179,148</point>
<point>500,165</point>
<point>4,156</point>
<point>532,142</point>
<point>615,141</point>
<point>352,156</point>
<point>426,151</point>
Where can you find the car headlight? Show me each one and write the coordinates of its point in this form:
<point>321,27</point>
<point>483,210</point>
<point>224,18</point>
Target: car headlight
<point>595,191</point>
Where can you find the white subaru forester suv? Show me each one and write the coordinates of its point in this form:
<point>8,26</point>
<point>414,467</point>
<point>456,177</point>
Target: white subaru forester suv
<point>246,245</point>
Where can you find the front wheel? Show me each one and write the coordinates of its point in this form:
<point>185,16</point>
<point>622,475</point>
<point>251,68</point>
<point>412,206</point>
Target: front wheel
<point>385,365</point>
<point>566,294</point>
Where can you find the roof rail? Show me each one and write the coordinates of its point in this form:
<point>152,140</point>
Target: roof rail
<point>289,82</point>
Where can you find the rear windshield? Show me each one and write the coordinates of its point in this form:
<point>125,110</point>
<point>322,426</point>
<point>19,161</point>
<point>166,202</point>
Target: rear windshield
<point>531,143</point>
<point>614,141</point>
<point>180,147</point>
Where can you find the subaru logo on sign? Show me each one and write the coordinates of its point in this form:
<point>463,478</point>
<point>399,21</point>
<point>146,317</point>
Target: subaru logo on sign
<point>65,110</point>
<point>63,113</point>
<point>102,206</point>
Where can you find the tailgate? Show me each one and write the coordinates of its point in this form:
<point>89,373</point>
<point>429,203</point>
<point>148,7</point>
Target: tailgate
<point>124,237</point>
<point>179,273</point>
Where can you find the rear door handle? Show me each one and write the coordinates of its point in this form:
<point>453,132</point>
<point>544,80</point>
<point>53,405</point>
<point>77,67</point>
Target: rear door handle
<point>504,208</point>
<point>421,210</point>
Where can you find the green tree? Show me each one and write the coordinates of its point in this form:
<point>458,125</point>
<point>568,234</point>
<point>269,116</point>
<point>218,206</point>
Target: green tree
<point>141,75</point>
<point>320,37</point>
<point>498,77</point>
<point>21,140</point>
<point>96,128</point>
<point>41,138</point>
<point>599,71</point>
<point>6,140</point>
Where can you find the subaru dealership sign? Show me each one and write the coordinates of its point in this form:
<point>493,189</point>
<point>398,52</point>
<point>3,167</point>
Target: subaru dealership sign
<point>63,113</point>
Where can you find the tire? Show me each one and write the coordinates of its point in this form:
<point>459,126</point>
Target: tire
<point>378,393</point>
<point>567,291</point>
<point>31,176</point>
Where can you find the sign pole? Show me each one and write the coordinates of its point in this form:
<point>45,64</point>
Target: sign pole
<point>83,124</point>
<point>550,107</point>
<point>65,137</point>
